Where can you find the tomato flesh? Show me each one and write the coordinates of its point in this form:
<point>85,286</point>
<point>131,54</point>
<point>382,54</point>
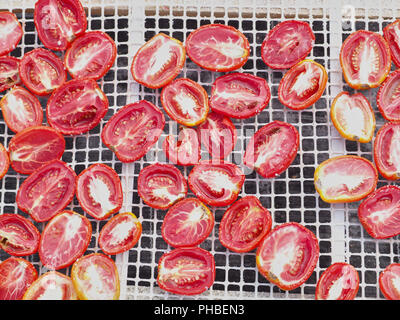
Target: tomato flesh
<point>186,150</point>
<point>391,33</point>
<point>4,161</point>
<point>9,74</point>
<point>388,97</point>
<point>10,32</point>
<point>388,281</point>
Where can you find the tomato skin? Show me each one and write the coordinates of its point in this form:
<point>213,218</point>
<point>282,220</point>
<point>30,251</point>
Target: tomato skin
<point>349,284</point>
<point>9,75</point>
<point>387,279</point>
<point>10,40</point>
<point>186,150</point>
<point>4,161</point>
<point>190,284</point>
<point>387,97</point>
<point>390,33</point>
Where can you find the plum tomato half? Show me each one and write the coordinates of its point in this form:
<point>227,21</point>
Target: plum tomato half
<point>10,32</point>
<point>185,101</point>
<point>216,182</point>
<point>186,150</point>
<point>217,47</point>
<point>272,149</point>
<point>239,95</point>
<point>99,191</point>
<point>187,223</point>
<point>4,161</point>
<point>133,130</point>
<point>353,117</point>
<point>345,178</point>
<point>161,185</point>
<point>158,61</point>
<point>244,225</point>
<point>340,281</point>
<point>388,97</point>
<point>388,281</point>
<point>302,85</point>
<point>9,73</point>
<point>365,59</point>
<point>391,33</point>
<point>287,255</point>
<point>287,43</point>
<point>186,271</point>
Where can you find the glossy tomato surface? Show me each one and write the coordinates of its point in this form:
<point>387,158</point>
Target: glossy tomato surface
<point>9,74</point>
<point>218,47</point>
<point>4,161</point>
<point>340,281</point>
<point>184,151</point>
<point>239,95</point>
<point>345,179</point>
<point>58,22</point>
<point>133,130</point>
<point>216,183</point>
<point>42,71</point>
<point>244,224</point>
<point>288,255</point>
<point>120,233</point>
<point>391,33</point>
<point>388,281</point>
<point>32,147</point>
<point>353,117</point>
<point>99,191</point>
<point>365,59</point>
<point>186,271</point>
<point>161,185</point>
<point>302,85</point>
<point>185,101</point>
<point>47,191</point>
<point>187,223</point>
<point>272,149</point>
<point>18,236</point>
<point>379,213</point>
<point>388,97</point>
<point>10,32</point>
<point>64,239</point>
<point>158,61</point>
<point>90,55</point>
<point>287,43</point>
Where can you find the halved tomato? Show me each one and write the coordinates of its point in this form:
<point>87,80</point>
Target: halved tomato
<point>218,134</point>
<point>9,74</point>
<point>95,277</point>
<point>379,213</point>
<point>133,130</point>
<point>58,22</point>
<point>64,239</point>
<point>186,271</point>
<point>388,97</point>
<point>186,150</point>
<point>216,183</point>
<point>10,32</point>
<point>340,281</point>
<point>272,149</point>
<point>353,117</point>
<point>51,285</point>
<point>16,276</point>
<point>90,55</point>
<point>302,85</point>
<point>161,185</point>
<point>345,179</point>
<point>185,101</point>
<point>42,71</point>
<point>365,59</point>
<point>287,43</point>
<point>4,161</point>
<point>158,61</point>
<point>21,109</point>
<point>391,33</point>
<point>287,255</point>
<point>120,233</point>
<point>18,236</point>
<point>218,47</point>
<point>32,147</point>
<point>187,223</point>
<point>244,225</point>
<point>77,106</point>
<point>47,191</point>
<point>388,281</point>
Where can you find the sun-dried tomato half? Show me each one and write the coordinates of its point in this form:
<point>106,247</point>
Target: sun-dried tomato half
<point>388,280</point>
<point>388,97</point>
<point>10,32</point>
<point>185,151</point>
<point>391,33</point>
<point>9,74</point>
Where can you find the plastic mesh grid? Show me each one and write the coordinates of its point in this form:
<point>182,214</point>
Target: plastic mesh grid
<point>289,197</point>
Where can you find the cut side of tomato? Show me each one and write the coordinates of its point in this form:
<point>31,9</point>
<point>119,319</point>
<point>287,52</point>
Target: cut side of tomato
<point>185,101</point>
<point>186,150</point>
<point>120,233</point>
<point>187,223</point>
<point>186,271</point>
<point>10,32</point>
<point>391,33</point>
<point>365,59</point>
<point>9,73</point>
<point>388,281</point>
<point>18,236</point>
<point>161,185</point>
<point>345,179</point>
<point>47,191</point>
<point>287,43</point>
<point>4,161</point>
<point>272,149</point>
<point>388,97</point>
<point>158,61</point>
<point>218,47</point>
<point>353,117</point>
<point>133,130</point>
<point>287,255</point>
